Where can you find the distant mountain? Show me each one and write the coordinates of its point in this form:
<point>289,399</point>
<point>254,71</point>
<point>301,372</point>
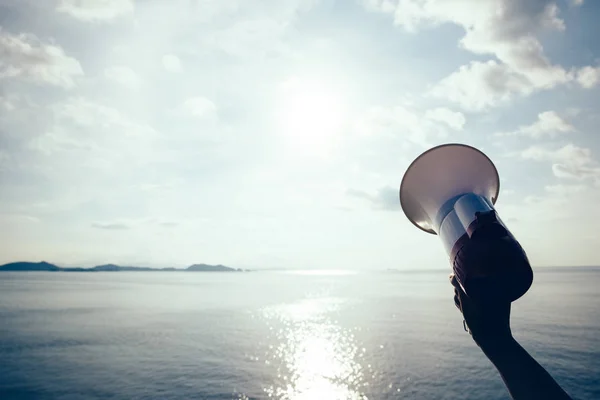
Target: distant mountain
<point>29,266</point>
<point>44,266</point>
<point>210,268</point>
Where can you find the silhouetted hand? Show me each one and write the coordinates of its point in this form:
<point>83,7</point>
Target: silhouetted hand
<point>488,322</point>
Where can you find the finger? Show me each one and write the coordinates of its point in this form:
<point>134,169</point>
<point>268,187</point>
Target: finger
<point>457,302</point>
<point>454,281</point>
<point>460,293</point>
<point>457,285</point>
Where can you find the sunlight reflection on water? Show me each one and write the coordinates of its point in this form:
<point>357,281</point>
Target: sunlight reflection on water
<point>316,358</point>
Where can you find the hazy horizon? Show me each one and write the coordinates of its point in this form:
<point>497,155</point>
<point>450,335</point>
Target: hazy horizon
<point>262,133</point>
<point>307,268</point>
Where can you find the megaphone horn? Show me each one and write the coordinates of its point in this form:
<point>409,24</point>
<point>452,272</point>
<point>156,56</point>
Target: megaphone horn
<point>450,191</point>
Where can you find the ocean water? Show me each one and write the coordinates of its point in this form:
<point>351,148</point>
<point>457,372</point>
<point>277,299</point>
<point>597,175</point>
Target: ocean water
<point>278,335</point>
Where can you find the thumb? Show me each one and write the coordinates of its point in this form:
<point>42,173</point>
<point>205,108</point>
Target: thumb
<point>460,294</point>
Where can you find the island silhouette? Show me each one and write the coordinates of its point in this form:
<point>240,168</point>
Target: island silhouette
<point>48,267</point>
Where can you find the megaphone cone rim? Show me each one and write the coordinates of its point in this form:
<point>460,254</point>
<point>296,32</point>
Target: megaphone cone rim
<point>494,198</point>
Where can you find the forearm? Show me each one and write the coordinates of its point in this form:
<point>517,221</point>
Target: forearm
<point>523,376</point>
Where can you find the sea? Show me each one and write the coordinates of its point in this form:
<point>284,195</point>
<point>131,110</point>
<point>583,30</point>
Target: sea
<point>297,335</point>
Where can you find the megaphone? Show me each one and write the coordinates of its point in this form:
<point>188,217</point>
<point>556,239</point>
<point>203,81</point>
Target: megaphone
<point>450,191</point>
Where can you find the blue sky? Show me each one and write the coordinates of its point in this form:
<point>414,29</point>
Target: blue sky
<point>259,133</point>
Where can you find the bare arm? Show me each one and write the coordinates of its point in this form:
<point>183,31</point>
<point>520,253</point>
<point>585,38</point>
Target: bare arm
<point>489,324</point>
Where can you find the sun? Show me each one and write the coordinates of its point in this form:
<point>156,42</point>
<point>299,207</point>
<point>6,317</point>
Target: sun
<point>310,116</point>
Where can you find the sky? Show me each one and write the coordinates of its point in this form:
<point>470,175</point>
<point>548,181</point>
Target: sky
<point>275,134</point>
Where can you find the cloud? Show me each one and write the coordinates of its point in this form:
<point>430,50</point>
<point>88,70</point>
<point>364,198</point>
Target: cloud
<point>96,10</point>
<point>127,224</point>
<point>559,212</point>
<point>385,198</point>
<point>417,126</point>
<point>168,224</point>
<point>480,85</point>
<point>567,152</point>
<point>18,219</point>
<point>5,160</point>
<point>198,107</point>
<point>26,57</point>
<point>574,171</point>
<point>454,119</point>
<point>249,38</point>
<point>559,201</point>
<point>171,63</point>
<point>568,162</point>
<point>95,135</point>
<point>577,2</point>
<point>504,29</point>
<point>86,113</point>
<point>563,190</point>
<point>162,186</point>
<point>548,124</point>
<point>113,226</point>
<point>123,76</point>
<point>6,104</point>
<point>588,77</point>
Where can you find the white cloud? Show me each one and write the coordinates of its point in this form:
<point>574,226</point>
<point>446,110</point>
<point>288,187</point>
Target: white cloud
<point>6,104</point>
<point>199,107</point>
<point>504,29</point>
<point>588,77</point>
<point>417,126</point>
<point>168,224</point>
<point>481,85</point>
<point>96,10</point>
<point>171,63</point>
<point>17,219</point>
<point>126,224</point>
<point>5,160</point>
<point>115,226</point>
<point>565,153</point>
<point>561,189</point>
<point>573,171</point>
<point>259,33</point>
<point>85,113</point>
<point>385,198</point>
<point>123,75</point>
<point>577,2</point>
<point>569,161</point>
<point>454,119</point>
<point>26,57</point>
<point>558,201</point>
<point>548,124</point>
<point>90,134</point>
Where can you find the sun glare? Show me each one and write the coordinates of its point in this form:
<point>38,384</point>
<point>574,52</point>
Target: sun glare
<point>316,358</point>
<point>310,116</point>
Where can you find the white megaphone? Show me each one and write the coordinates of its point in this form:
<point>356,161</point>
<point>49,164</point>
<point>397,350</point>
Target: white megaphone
<point>450,191</point>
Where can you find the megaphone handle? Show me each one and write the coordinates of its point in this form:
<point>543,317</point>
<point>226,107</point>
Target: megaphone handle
<point>491,263</point>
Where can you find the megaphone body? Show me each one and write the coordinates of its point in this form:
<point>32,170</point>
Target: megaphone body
<point>450,191</point>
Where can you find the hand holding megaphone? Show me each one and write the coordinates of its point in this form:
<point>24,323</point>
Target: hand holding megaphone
<point>450,191</point>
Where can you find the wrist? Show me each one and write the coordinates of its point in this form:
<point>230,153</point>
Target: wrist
<point>496,343</point>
